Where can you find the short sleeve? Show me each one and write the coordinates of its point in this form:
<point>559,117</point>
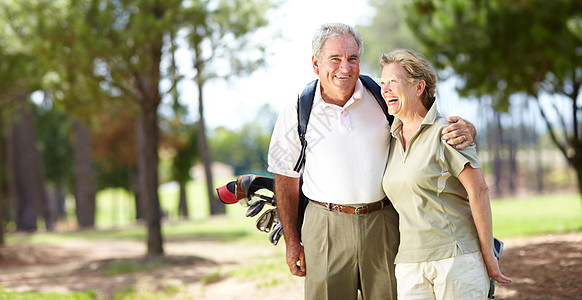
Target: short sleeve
<point>285,147</point>
<point>455,159</point>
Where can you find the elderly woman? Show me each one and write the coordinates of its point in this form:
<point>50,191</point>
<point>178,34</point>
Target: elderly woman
<point>446,247</point>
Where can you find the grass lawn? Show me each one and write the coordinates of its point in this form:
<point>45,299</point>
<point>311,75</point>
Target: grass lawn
<point>116,211</point>
<point>115,214</point>
<point>536,215</point>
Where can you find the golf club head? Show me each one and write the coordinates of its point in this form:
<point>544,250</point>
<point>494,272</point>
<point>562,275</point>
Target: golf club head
<point>265,221</point>
<point>276,234</point>
<point>255,208</point>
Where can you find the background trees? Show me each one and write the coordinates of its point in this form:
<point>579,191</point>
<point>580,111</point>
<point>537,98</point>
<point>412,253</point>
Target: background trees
<point>94,55</point>
<point>532,48</point>
<point>521,58</point>
<point>108,78</point>
<point>220,38</point>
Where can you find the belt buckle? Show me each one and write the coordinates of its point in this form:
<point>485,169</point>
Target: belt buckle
<point>361,207</point>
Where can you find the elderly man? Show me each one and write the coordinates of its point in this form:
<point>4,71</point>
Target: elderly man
<point>342,249</point>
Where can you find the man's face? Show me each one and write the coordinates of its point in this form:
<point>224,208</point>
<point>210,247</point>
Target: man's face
<point>338,68</point>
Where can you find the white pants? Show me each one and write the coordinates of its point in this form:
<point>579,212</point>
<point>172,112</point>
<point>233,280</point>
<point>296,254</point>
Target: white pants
<point>459,277</point>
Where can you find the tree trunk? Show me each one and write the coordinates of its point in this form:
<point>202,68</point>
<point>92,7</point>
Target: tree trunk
<point>50,209</point>
<point>134,184</point>
<point>511,144</point>
<point>183,204</point>
<point>3,206</point>
<point>148,177</point>
<point>27,177</point>
<point>216,207</point>
<point>85,189</point>
<point>60,196</point>
<point>494,145</point>
<point>539,158</point>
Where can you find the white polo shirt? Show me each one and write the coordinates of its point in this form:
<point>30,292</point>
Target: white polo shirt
<point>347,149</point>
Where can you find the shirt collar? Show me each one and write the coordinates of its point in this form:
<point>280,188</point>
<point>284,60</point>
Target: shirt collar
<point>319,104</point>
<point>431,116</point>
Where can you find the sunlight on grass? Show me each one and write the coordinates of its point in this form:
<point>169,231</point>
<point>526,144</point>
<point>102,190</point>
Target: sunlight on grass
<point>90,295</point>
<point>537,215</point>
<point>511,217</point>
<point>146,294</point>
<point>267,272</point>
<point>115,207</point>
<point>127,266</point>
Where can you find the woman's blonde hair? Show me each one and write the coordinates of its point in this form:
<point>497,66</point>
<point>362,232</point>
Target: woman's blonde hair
<point>417,68</point>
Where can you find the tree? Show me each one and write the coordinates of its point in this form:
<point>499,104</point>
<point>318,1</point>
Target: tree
<point>26,173</point>
<point>3,204</point>
<point>53,129</point>
<point>184,141</point>
<point>220,37</point>
<point>386,32</point>
<point>20,75</point>
<point>180,136</point>
<point>126,39</point>
<point>246,148</point>
<point>115,149</point>
<point>528,47</point>
<point>37,44</point>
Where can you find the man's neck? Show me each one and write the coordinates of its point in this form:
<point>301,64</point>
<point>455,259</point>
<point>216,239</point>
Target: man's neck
<point>339,100</point>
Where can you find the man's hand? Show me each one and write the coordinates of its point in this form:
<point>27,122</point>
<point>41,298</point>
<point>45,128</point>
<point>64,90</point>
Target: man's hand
<point>460,133</point>
<point>287,191</point>
<point>296,259</point>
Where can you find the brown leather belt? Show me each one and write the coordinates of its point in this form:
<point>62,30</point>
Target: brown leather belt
<point>360,210</point>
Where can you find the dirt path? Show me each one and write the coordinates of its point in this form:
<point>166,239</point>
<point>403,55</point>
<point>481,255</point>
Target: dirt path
<point>542,267</point>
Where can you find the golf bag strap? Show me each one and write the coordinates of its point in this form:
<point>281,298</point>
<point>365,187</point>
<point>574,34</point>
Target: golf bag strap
<point>304,103</point>
<point>374,88</point>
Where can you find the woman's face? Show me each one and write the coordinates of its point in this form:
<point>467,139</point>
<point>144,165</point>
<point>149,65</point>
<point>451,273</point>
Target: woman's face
<point>402,97</point>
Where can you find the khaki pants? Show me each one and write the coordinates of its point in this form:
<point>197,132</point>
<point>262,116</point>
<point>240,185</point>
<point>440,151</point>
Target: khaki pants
<point>345,252</point>
<point>460,277</point>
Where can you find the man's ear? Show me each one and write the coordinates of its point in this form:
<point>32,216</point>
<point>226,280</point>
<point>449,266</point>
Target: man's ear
<point>420,87</point>
<point>315,64</point>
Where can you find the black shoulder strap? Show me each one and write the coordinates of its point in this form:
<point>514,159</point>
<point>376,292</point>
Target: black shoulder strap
<point>305,101</point>
<point>374,88</point>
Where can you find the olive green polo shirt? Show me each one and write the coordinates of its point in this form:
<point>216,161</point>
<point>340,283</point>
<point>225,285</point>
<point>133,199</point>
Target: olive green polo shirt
<point>421,182</point>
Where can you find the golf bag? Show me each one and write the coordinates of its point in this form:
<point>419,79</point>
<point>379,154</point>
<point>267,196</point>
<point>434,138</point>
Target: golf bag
<point>255,192</point>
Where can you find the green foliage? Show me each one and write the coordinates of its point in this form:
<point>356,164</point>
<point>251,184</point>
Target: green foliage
<point>502,48</point>
<point>187,152</point>
<point>220,36</point>
<point>515,46</point>
<point>386,32</point>
<point>53,128</point>
<point>245,149</point>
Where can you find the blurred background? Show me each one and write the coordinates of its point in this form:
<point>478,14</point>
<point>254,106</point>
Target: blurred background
<point>124,112</point>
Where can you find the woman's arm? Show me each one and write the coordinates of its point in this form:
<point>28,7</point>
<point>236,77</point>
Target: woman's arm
<point>474,182</point>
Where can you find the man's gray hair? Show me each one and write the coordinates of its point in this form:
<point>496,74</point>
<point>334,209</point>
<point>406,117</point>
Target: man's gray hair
<point>334,29</point>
